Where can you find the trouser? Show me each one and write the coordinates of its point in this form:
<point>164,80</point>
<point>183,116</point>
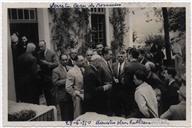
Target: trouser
<point>121,105</point>
<point>48,96</point>
<point>77,106</point>
<point>66,109</point>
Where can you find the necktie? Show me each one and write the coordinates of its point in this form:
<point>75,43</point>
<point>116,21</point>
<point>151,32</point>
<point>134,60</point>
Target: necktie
<point>119,69</point>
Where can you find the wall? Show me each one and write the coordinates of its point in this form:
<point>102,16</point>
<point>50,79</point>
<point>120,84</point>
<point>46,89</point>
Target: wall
<point>43,26</point>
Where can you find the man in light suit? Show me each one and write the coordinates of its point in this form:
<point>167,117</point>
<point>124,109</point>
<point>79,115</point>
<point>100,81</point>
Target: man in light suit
<point>120,104</point>
<point>47,61</point>
<point>74,85</point>
<point>63,99</point>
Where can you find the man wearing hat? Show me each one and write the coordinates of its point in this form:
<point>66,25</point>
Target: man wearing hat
<point>177,112</point>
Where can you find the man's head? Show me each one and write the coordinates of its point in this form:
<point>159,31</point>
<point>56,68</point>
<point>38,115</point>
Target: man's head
<point>73,53</point>
<point>63,59</point>
<point>99,48</point>
<point>24,39</point>
<point>107,54</point>
<point>42,45</point>
<point>149,67</point>
<point>139,77</point>
<point>134,54</point>
<point>141,54</point>
<point>169,73</point>
<point>15,37</point>
<point>79,60</point>
<point>89,54</point>
<point>30,47</point>
<point>121,56</point>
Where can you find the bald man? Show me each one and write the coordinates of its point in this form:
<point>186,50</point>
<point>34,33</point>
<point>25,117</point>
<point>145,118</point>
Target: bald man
<point>27,89</point>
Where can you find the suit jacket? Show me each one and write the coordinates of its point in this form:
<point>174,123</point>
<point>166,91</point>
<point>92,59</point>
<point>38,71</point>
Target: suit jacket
<point>155,82</point>
<point>120,76</point>
<point>26,79</point>
<point>130,70</point>
<point>59,76</point>
<point>96,100</point>
<point>107,72</point>
<point>74,80</point>
<point>46,68</point>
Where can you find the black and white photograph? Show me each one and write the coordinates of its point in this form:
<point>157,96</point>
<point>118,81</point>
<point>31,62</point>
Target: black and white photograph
<point>117,64</point>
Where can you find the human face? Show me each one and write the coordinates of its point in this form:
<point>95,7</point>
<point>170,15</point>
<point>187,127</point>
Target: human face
<point>121,58</point>
<point>89,54</point>
<point>24,39</point>
<point>165,75</point>
<point>64,60</point>
<point>14,38</point>
<point>80,61</point>
<point>99,49</point>
<point>42,46</point>
<point>73,53</point>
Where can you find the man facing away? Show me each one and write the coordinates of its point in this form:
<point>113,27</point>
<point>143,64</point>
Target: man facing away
<point>96,90</point>
<point>145,97</point>
<point>74,85</point>
<point>47,62</point>
<point>130,70</point>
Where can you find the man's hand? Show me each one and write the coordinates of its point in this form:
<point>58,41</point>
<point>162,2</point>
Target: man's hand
<point>107,87</point>
<point>77,93</point>
<point>43,61</point>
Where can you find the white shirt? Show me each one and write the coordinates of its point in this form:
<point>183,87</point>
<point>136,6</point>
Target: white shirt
<point>122,66</point>
<point>146,100</point>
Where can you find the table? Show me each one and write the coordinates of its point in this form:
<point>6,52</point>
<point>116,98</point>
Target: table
<point>43,112</point>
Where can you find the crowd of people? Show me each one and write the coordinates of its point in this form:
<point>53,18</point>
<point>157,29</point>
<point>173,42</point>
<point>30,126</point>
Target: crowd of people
<point>134,83</point>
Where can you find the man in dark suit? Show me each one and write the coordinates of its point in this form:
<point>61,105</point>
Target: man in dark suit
<point>120,104</point>
<point>107,65</point>
<point>63,99</point>
<point>48,61</point>
<point>96,90</point>
<point>130,70</point>
<point>27,76</point>
<point>170,97</point>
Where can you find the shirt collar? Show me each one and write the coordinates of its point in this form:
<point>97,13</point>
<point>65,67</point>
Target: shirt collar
<point>141,85</point>
<point>170,82</point>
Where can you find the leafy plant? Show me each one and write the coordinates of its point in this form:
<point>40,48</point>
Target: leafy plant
<point>117,20</point>
<point>70,28</point>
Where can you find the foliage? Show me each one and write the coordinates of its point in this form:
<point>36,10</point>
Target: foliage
<point>70,28</point>
<point>158,39</point>
<point>177,19</point>
<point>117,20</point>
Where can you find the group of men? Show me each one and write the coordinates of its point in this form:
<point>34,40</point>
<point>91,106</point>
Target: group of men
<point>126,87</point>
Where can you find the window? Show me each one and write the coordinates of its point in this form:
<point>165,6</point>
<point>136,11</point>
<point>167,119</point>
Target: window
<point>98,25</point>
<point>22,15</point>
